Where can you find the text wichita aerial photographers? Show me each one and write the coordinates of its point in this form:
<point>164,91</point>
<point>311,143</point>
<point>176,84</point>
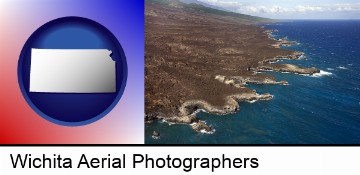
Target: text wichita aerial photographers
<point>137,161</point>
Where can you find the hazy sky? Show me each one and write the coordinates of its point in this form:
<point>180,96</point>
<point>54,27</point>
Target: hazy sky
<point>293,9</point>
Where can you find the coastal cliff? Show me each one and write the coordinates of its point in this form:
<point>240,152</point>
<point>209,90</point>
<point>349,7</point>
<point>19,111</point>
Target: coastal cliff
<point>198,58</point>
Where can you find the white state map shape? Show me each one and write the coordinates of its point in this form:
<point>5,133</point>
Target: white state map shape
<point>72,71</point>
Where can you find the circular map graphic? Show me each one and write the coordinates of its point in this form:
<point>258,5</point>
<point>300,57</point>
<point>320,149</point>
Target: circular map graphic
<point>72,71</point>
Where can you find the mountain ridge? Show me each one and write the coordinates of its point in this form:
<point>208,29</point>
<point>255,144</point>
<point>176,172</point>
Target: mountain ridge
<point>204,8</point>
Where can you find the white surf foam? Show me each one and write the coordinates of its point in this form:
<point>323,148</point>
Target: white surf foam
<point>252,101</point>
<point>301,57</point>
<point>165,121</point>
<point>156,137</point>
<point>207,132</point>
<point>341,67</point>
<point>321,73</point>
<point>272,62</point>
<point>199,110</point>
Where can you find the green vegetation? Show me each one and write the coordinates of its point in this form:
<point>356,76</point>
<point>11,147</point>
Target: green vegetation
<point>225,13</point>
<point>203,9</point>
<point>165,2</point>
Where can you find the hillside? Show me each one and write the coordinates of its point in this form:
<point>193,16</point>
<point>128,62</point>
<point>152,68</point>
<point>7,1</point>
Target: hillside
<point>199,57</point>
<point>201,9</point>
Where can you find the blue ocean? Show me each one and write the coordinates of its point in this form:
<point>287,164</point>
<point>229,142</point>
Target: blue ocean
<point>322,109</point>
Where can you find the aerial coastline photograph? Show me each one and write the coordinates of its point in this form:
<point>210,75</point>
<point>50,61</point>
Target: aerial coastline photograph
<point>252,72</point>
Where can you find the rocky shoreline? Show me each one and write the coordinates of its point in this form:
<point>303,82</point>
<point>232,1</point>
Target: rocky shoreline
<point>188,110</point>
<point>241,81</point>
<point>267,65</point>
<point>281,41</point>
<point>191,66</point>
<point>288,68</point>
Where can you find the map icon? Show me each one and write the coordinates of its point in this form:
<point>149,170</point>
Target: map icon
<point>72,71</point>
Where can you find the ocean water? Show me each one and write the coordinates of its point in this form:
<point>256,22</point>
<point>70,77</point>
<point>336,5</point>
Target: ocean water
<point>322,109</point>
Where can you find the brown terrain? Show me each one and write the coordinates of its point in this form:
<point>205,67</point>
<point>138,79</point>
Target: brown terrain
<point>196,59</point>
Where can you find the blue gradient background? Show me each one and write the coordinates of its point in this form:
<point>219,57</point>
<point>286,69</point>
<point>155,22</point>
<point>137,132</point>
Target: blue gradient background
<point>19,123</point>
